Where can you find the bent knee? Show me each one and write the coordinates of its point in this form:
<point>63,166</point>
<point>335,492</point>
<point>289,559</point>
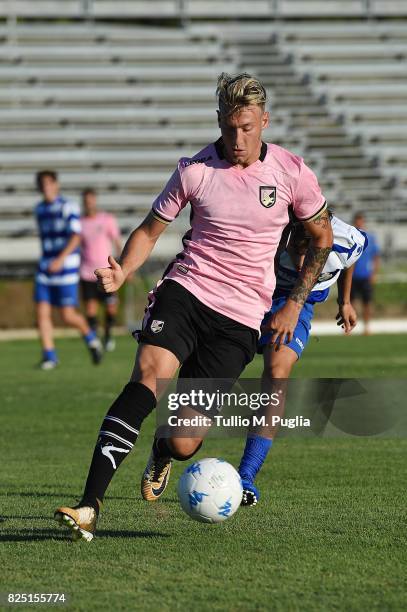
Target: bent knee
<point>281,372</point>
<point>67,316</point>
<point>184,448</point>
<point>275,371</point>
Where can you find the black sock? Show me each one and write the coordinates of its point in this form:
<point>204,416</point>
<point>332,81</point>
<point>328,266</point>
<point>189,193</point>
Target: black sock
<point>93,323</point>
<point>161,449</point>
<point>110,320</point>
<point>117,437</point>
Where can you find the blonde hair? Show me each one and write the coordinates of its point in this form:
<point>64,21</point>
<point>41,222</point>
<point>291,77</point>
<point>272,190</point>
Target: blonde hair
<point>235,92</point>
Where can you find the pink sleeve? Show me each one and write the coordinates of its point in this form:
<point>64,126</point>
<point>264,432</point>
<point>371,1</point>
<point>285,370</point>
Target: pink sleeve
<point>308,201</point>
<point>171,200</point>
<point>113,228</point>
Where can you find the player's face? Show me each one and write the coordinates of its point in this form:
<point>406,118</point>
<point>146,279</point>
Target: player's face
<point>89,204</point>
<point>360,222</point>
<point>49,188</point>
<point>241,134</point>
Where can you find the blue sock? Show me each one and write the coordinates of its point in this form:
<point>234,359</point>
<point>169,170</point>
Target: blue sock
<point>90,336</point>
<point>49,355</point>
<point>254,456</point>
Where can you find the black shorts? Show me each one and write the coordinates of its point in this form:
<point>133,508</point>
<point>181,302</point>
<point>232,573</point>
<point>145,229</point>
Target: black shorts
<point>206,343</point>
<point>362,289</point>
<point>91,291</point>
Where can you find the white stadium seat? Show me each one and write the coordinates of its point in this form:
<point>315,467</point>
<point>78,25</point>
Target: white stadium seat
<point>136,8</point>
<point>322,8</point>
<point>389,8</point>
<point>92,54</point>
<point>42,8</point>
<point>110,73</point>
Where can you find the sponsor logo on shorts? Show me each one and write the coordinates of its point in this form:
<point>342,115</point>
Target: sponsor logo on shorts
<point>325,276</point>
<point>267,195</point>
<point>182,269</point>
<point>300,344</point>
<point>156,326</point>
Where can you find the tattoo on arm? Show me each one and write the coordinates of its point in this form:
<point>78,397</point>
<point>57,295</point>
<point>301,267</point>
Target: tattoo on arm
<point>322,220</point>
<point>314,261</point>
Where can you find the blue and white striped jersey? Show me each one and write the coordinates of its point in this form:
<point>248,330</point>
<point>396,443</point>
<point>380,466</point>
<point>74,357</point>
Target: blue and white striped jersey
<point>349,243</point>
<point>57,221</point>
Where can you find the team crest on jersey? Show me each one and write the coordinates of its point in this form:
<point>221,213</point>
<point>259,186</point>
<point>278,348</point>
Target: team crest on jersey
<point>267,195</point>
<point>156,326</point>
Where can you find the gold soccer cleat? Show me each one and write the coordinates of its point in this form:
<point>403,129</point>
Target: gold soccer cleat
<point>155,478</point>
<point>81,521</point>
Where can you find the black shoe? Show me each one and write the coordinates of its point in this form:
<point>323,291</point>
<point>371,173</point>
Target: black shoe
<point>96,350</point>
<point>251,494</point>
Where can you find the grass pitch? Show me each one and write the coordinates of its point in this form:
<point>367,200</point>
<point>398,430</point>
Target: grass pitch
<point>328,533</point>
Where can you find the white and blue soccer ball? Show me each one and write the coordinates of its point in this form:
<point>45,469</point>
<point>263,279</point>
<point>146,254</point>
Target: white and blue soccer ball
<point>210,490</point>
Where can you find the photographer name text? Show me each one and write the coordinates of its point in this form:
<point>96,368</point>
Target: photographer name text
<point>238,421</point>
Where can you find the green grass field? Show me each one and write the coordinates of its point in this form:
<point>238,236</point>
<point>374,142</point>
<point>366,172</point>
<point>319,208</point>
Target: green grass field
<point>328,534</point>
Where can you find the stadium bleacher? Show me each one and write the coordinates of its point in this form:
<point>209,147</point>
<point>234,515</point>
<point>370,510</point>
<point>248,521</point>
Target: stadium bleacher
<point>203,9</point>
<point>107,106</point>
<point>361,72</point>
<point>113,103</point>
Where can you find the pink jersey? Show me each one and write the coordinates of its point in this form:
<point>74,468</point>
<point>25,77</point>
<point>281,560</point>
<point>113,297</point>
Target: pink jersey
<point>237,217</point>
<point>98,233</point>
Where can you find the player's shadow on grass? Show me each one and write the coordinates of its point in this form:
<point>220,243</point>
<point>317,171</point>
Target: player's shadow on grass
<point>39,494</point>
<point>38,535</point>
<point>110,533</point>
<point>34,535</point>
<point>17,517</point>
<point>71,495</point>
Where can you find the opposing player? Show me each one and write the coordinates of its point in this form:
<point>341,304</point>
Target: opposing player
<point>99,234</point>
<point>206,313</point>
<point>349,244</point>
<point>365,274</point>
<point>57,277</point>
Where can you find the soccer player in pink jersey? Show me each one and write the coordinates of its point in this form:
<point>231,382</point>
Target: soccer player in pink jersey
<point>206,313</point>
<point>99,234</point>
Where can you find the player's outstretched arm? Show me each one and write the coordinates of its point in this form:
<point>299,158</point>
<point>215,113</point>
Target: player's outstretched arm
<point>315,258</point>
<point>283,322</point>
<point>136,250</point>
<point>346,316</point>
<point>72,244</point>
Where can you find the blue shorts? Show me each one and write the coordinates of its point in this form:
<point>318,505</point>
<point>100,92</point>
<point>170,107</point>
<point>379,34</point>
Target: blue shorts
<point>56,295</point>
<point>301,331</point>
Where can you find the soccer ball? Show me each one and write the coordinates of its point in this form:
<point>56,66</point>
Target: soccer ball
<point>210,490</point>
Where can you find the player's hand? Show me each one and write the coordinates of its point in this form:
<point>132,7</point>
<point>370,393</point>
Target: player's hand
<point>283,323</point>
<point>55,265</point>
<point>346,317</point>
<point>112,278</point>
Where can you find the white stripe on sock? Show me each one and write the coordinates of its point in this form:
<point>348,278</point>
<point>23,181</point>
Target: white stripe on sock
<point>113,435</point>
<point>123,423</point>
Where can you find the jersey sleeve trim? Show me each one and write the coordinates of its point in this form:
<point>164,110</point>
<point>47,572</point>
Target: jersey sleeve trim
<point>158,217</point>
<point>316,214</point>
